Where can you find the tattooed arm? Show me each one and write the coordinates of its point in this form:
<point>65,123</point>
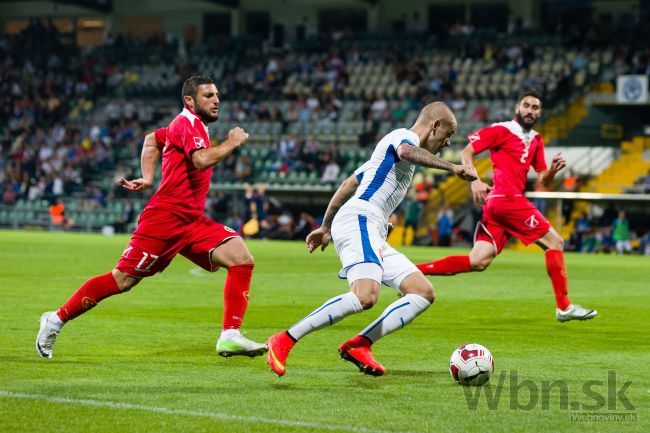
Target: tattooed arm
<point>424,158</point>
<point>321,236</point>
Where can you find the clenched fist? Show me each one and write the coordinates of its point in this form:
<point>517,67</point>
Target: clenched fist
<point>238,135</point>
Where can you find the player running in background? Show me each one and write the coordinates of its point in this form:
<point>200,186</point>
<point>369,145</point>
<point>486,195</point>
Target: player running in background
<point>514,146</point>
<point>173,223</point>
<point>357,221</point>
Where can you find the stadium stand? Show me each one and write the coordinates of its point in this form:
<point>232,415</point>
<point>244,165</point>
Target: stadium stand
<point>74,119</point>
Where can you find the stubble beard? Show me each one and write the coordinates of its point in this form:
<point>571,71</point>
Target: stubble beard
<point>205,115</point>
<point>524,124</point>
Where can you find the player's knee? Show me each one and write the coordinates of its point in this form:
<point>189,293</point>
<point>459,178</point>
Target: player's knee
<point>427,293</point>
<point>367,300</point>
<point>557,244</point>
<point>246,258</point>
<point>124,282</point>
<point>481,264</point>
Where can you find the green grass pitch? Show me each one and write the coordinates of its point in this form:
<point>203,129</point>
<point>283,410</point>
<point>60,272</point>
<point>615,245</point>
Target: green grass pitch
<point>145,361</point>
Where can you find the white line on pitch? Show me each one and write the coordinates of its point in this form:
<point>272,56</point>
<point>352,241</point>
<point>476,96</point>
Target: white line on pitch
<point>185,412</point>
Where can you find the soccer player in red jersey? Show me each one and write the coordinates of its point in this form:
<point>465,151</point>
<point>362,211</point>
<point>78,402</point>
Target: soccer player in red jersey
<point>173,223</point>
<point>514,146</point>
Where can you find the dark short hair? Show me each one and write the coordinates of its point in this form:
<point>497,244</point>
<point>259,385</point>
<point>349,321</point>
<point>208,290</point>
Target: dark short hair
<point>191,85</point>
<point>530,92</point>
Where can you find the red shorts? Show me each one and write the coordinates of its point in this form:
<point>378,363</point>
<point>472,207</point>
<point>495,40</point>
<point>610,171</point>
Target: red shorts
<point>161,235</point>
<point>510,216</point>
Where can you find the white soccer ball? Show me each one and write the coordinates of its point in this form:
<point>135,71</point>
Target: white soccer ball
<point>471,364</point>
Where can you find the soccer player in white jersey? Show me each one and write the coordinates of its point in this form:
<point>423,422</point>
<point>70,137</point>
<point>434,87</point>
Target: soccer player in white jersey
<point>356,220</point>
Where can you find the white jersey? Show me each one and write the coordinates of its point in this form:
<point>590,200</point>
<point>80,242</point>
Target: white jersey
<point>384,178</point>
<point>359,228</point>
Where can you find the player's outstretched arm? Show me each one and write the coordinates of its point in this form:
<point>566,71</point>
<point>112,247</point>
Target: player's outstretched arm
<point>321,236</point>
<point>479,188</point>
<point>206,158</point>
<point>557,164</point>
<point>424,158</point>
<point>151,151</point>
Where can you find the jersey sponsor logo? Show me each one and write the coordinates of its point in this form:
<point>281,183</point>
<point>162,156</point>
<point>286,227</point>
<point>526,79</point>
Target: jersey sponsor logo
<point>473,137</point>
<point>199,142</point>
<point>532,222</point>
<point>228,229</point>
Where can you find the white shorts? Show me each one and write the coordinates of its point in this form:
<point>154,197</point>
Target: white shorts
<point>360,242</point>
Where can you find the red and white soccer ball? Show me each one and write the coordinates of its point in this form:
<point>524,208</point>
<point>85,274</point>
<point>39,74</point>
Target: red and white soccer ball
<point>471,364</point>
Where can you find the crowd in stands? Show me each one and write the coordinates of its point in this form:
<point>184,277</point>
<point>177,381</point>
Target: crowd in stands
<point>70,118</point>
<point>610,232</point>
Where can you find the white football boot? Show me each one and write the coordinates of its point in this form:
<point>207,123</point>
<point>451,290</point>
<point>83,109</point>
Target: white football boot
<point>237,344</point>
<point>50,327</point>
<point>575,312</point>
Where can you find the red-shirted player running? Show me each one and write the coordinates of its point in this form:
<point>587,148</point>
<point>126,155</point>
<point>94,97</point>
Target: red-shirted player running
<point>514,146</point>
<point>173,223</point>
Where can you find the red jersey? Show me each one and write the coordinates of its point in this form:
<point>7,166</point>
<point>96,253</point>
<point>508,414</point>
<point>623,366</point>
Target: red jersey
<point>512,151</point>
<point>183,188</point>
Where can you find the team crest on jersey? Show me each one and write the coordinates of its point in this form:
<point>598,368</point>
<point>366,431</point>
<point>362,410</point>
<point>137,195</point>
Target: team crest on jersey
<point>199,142</point>
<point>228,229</point>
<point>532,222</point>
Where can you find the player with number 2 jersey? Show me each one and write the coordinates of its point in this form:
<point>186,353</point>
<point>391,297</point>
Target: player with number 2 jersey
<point>514,147</point>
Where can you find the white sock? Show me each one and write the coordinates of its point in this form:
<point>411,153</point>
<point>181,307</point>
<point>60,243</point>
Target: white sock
<point>327,314</point>
<point>396,316</point>
<point>55,321</point>
<point>227,334</point>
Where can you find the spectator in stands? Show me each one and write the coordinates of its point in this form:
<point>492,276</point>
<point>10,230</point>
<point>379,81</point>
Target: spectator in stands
<point>309,152</point>
<point>218,207</point>
<point>604,240</point>
<point>287,147</point>
<point>589,242</point>
<point>445,226</point>
<point>57,215</point>
<point>582,228</point>
<point>126,221</point>
<point>458,103</point>
<point>331,172</point>
<point>284,229</point>
<point>413,210</point>
<point>583,223</point>
<point>621,234</point>
<point>243,168</point>
<point>306,223</point>
<point>260,208</point>
<point>645,243</point>
<point>480,113</point>
<point>378,107</point>
<point>423,188</point>
<point>570,183</point>
<point>573,243</point>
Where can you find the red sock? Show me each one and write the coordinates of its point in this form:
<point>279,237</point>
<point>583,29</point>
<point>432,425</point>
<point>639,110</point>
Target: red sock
<point>557,272</point>
<point>359,341</point>
<point>450,265</point>
<point>88,295</point>
<point>235,295</point>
